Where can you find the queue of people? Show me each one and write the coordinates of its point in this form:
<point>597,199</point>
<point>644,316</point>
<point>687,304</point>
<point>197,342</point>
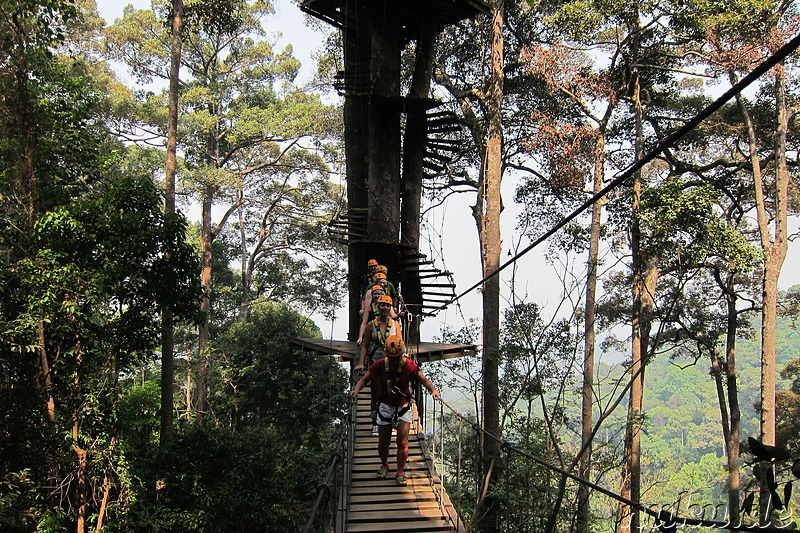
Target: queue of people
<point>390,372</point>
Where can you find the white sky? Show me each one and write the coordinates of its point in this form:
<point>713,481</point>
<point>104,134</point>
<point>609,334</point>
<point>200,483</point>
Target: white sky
<point>453,220</point>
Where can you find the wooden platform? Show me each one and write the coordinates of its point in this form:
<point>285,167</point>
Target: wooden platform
<point>422,352</point>
<point>380,505</point>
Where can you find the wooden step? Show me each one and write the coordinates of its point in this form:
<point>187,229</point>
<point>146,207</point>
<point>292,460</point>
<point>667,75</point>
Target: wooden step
<point>405,526</point>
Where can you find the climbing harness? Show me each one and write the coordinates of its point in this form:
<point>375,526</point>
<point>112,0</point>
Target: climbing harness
<point>383,334</point>
<point>392,387</point>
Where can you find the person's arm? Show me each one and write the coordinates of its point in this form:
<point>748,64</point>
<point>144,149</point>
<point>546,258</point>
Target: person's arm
<point>365,303</point>
<point>362,352</point>
<point>364,313</point>
<point>360,384</point>
<point>428,385</point>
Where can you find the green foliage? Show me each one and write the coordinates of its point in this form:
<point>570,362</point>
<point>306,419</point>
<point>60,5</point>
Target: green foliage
<point>683,227</point>
<point>264,380</point>
<point>104,266</point>
<point>217,480</point>
<point>738,18</point>
<point>257,467</point>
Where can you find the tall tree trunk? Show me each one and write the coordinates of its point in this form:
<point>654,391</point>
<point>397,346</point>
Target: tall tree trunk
<point>415,137</point>
<point>81,483</point>
<point>201,372</point>
<point>167,327</point>
<point>207,236</point>
<point>774,249</point>
<point>587,390</point>
<point>414,148</point>
<point>246,268</point>
<point>487,212</point>
<point>628,518</point>
<point>355,117</point>
<point>46,377</point>
<point>774,256</point>
<point>734,414</point>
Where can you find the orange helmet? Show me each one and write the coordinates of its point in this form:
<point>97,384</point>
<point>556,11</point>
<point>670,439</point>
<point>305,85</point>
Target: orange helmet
<point>381,268</point>
<point>394,346</point>
<point>372,263</point>
<point>385,299</point>
<point>377,288</point>
<point>379,275</point>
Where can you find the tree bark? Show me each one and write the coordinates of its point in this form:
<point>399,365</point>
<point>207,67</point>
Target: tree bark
<point>355,49</point>
<point>734,414</point>
<point>774,249</point>
<point>201,371</point>
<point>81,484</point>
<point>384,140</point>
<point>774,256</point>
<point>628,518</point>
<point>487,213</point>
<point>246,266</point>
<point>170,170</point>
<point>414,148</point>
<point>587,390</point>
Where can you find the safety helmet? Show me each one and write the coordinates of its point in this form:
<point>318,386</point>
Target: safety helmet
<point>381,268</point>
<point>394,346</point>
<point>385,299</point>
<point>372,263</point>
<point>379,275</point>
<point>377,288</point>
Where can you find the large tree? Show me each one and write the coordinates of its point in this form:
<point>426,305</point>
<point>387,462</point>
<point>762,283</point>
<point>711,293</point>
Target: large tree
<point>245,128</point>
<point>735,40</point>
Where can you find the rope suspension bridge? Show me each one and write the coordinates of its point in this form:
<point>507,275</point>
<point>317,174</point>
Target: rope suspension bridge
<point>350,498</point>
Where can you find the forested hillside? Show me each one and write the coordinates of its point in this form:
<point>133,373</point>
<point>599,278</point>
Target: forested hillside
<point>683,430</point>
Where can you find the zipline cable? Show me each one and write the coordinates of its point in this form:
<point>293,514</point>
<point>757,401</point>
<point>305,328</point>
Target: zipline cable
<point>666,519</point>
<point>668,141</point>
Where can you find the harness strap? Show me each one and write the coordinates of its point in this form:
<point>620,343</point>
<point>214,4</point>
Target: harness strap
<point>398,413</point>
<point>383,335</point>
<point>392,376</point>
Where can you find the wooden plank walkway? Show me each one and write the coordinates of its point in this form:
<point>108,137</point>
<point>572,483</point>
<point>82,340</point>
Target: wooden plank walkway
<point>380,505</point>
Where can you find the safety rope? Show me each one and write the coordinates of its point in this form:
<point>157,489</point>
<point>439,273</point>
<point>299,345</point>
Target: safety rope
<point>668,520</point>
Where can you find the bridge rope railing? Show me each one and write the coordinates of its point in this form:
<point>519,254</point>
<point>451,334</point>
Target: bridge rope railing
<point>665,519</point>
<point>435,479</point>
<point>329,512</point>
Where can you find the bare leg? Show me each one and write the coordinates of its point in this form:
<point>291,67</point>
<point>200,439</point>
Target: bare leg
<point>384,438</point>
<point>402,446</point>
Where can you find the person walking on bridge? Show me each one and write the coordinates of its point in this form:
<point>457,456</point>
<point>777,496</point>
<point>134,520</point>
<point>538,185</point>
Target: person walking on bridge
<point>393,374</point>
<point>375,332</point>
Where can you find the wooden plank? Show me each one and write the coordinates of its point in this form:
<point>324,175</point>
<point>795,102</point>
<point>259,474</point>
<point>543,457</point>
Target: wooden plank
<point>425,351</point>
<point>389,492</point>
<point>403,525</point>
<point>371,505</point>
<point>396,515</point>
<point>387,496</point>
